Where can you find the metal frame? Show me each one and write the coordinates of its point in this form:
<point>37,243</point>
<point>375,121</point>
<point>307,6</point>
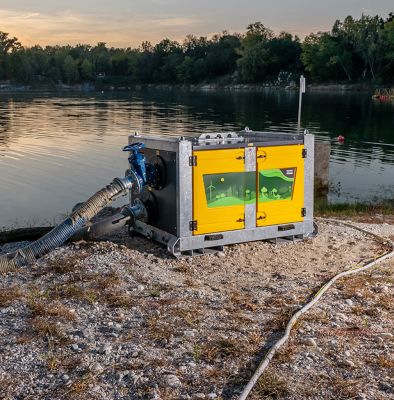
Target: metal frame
<point>185,243</point>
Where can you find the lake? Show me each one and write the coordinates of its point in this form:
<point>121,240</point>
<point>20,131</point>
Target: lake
<point>58,149</point>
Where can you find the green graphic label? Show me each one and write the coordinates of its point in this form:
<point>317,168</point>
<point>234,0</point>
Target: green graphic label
<point>230,189</point>
<point>276,184</point>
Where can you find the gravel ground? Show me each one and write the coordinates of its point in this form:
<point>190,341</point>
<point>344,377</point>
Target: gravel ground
<point>122,319</point>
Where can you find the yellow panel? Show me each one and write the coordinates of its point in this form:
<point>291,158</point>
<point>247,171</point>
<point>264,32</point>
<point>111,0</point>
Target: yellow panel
<point>280,189</point>
<point>217,214</point>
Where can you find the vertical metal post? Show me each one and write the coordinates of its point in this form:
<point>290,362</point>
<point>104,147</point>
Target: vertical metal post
<point>302,91</point>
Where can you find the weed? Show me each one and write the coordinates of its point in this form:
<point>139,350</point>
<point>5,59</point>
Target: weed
<point>44,327</point>
<point>243,302</point>
<point>109,280</point>
<point>384,361</point>
<point>159,330</point>
<point>280,320</point>
<point>182,268</point>
<point>271,386</point>
<point>119,299</point>
<point>55,310</point>
<point>346,388</point>
<point>9,295</point>
<point>64,265</point>
<point>197,350</point>
<point>221,348</point>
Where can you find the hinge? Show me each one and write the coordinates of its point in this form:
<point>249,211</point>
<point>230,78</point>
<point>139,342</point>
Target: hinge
<point>193,225</point>
<point>303,212</point>
<point>304,153</point>
<point>193,161</point>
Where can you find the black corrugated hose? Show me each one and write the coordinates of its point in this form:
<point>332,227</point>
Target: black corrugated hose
<point>61,233</point>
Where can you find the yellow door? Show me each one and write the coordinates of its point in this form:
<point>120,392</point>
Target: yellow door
<point>219,191</point>
<point>280,192</point>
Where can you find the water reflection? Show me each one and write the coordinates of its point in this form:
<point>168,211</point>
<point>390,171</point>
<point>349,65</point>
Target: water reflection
<point>55,150</point>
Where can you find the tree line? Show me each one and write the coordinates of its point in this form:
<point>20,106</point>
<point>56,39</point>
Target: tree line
<point>355,50</point>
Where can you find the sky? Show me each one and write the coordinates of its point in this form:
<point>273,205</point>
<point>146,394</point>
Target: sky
<point>126,23</point>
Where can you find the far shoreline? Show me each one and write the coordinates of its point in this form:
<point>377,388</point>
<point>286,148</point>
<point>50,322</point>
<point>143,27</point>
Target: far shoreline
<point>8,88</point>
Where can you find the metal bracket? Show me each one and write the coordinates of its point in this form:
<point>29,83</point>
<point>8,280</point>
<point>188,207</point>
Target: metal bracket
<point>193,161</point>
<point>304,153</point>
<point>193,225</point>
<point>303,212</point>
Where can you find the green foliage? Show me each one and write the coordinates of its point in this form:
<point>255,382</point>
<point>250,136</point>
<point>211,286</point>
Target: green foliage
<point>354,50</point>
<point>70,69</point>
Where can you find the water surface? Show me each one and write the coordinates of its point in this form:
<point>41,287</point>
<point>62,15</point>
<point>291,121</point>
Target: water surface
<point>57,149</point>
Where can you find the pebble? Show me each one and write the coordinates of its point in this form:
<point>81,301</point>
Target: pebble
<point>348,363</point>
<point>122,374</point>
<point>212,395</point>
<point>309,342</point>
<point>386,335</point>
<point>199,396</point>
<point>349,302</point>
<point>341,316</point>
<point>347,353</point>
<point>172,381</point>
<point>74,347</point>
<point>105,349</point>
<point>96,367</point>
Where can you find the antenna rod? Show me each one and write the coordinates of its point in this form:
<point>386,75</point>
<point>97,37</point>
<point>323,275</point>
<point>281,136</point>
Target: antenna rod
<point>302,91</point>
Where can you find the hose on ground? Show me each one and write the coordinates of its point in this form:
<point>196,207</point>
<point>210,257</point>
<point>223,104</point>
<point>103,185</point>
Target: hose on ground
<point>105,226</point>
<point>268,357</point>
<point>61,233</point>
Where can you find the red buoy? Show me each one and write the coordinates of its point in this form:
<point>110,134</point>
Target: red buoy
<point>341,139</point>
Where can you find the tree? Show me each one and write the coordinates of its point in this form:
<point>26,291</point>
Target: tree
<point>70,69</point>
<point>20,66</point>
<point>7,45</point>
<point>87,70</point>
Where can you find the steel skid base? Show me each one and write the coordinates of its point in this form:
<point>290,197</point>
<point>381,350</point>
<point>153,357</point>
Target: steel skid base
<point>203,244</point>
<point>173,215</point>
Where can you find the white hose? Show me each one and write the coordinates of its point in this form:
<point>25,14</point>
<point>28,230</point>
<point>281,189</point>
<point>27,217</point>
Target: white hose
<point>266,360</point>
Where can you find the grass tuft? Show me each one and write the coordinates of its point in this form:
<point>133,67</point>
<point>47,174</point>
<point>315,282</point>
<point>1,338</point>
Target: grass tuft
<point>9,295</point>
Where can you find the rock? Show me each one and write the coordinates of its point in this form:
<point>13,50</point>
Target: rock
<point>122,374</point>
<point>341,316</point>
<point>65,378</point>
<point>386,387</point>
<point>349,302</point>
<point>348,363</point>
<point>199,396</point>
<point>347,353</point>
<point>96,367</point>
<point>189,334</point>
<point>105,349</point>
<point>309,342</point>
<point>212,395</point>
<point>385,335</point>
<point>74,347</point>
<point>172,381</point>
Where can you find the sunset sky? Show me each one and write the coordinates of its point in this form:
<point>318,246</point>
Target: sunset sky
<point>128,22</point>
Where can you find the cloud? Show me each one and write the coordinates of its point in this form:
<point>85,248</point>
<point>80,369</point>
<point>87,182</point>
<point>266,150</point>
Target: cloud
<point>67,27</point>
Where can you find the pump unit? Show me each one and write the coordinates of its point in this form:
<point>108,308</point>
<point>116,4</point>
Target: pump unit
<point>197,193</point>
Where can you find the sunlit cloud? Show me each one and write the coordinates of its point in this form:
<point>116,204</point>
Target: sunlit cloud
<point>72,28</point>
